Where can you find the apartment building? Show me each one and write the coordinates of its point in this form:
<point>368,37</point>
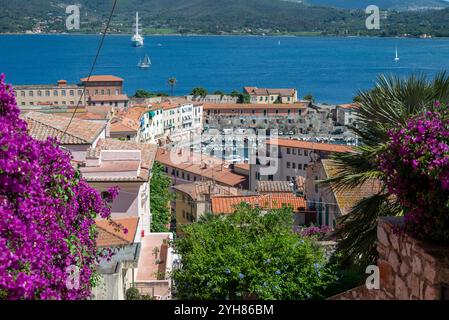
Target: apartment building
<point>286,159</point>
<point>127,165</point>
<point>105,90</point>
<point>180,117</point>
<point>270,96</point>
<point>328,202</point>
<point>183,166</point>
<point>213,98</point>
<point>193,200</point>
<point>56,95</point>
<point>286,118</point>
<point>100,90</point>
<point>346,114</point>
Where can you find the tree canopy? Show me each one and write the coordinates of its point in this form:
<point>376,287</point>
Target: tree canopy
<point>249,254</point>
<point>159,199</point>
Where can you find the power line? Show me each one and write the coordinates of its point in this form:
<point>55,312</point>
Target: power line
<point>93,65</point>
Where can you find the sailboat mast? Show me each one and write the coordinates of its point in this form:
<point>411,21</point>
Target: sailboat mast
<point>137,23</point>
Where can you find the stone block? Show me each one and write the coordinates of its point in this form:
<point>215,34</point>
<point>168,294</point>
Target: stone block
<point>394,261</point>
<point>417,264</point>
<point>401,290</point>
<point>382,236</point>
<point>432,293</point>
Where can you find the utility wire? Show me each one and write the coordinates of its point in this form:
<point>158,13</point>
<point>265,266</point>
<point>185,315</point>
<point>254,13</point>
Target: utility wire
<point>93,66</point>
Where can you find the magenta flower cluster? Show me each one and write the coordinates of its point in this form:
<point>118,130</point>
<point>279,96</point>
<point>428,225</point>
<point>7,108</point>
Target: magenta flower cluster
<point>416,166</point>
<point>47,228</point>
<point>315,231</point>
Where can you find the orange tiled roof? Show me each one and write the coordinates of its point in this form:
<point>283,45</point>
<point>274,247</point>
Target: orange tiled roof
<point>348,198</point>
<point>214,170</point>
<point>196,189</point>
<point>274,186</point>
<point>43,125</point>
<point>327,147</point>
<point>349,106</point>
<point>226,204</point>
<point>102,78</point>
<point>108,236</point>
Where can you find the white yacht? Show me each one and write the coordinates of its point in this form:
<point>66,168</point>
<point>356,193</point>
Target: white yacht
<point>137,39</point>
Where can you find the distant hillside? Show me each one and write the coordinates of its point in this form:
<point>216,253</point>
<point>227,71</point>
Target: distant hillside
<point>383,4</point>
<point>271,17</point>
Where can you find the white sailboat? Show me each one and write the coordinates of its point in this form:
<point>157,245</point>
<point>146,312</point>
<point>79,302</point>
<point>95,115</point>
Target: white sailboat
<point>145,63</point>
<point>137,39</point>
<point>396,59</point>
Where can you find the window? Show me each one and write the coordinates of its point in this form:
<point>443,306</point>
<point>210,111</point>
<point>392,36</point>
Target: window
<point>299,166</point>
<point>72,103</point>
<point>63,102</point>
<point>289,151</point>
<point>294,151</point>
<point>96,91</point>
<point>72,93</point>
<point>288,165</point>
<point>39,93</point>
<point>270,177</point>
<point>63,93</point>
<point>294,165</point>
<point>116,92</point>
<point>31,103</point>
<point>47,93</point>
<point>102,91</point>
<point>288,178</point>
<point>306,153</point>
<point>22,93</point>
<point>305,167</point>
<point>109,92</point>
<point>30,93</point>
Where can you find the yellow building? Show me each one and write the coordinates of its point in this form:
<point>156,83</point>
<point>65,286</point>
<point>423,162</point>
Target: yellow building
<point>193,200</point>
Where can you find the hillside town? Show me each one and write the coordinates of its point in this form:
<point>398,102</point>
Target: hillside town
<point>180,164</point>
<point>209,146</point>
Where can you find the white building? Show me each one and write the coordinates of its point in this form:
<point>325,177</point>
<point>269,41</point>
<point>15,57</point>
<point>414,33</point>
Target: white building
<point>286,159</point>
<point>347,114</point>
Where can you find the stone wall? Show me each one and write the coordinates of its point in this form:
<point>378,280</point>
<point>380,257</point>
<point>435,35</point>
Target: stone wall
<point>409,269</point>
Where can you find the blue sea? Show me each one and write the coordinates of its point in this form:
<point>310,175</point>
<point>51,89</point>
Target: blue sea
<point>331,69</point>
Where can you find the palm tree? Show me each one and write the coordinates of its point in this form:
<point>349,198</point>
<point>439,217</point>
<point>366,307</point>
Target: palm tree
<point>172,83</point>
<point>389,105</point>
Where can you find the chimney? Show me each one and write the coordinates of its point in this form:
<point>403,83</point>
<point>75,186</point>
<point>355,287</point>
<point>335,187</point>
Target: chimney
<point>62,83</point>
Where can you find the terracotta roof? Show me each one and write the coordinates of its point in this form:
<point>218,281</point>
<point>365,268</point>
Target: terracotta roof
<point>109,236</point>
<point>249,106</point>
<point>327,147</point>
<point>274,186</point>
<point>118,126</point>
<point>102,78</point>
<point>226,204</point>
<point>348,198</point>
<point>267,91</point>
<point>242,166</point>
<point>43,125</point>
<point>349,106</point>
<point>148,153</point>
<point>211,168</point>
<point>111,97</point>
<point>195,189</point>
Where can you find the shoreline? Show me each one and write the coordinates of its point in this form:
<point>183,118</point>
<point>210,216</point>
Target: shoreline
<point>217,35</point>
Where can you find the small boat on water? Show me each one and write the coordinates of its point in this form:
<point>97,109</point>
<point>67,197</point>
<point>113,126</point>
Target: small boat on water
<point>396,59</point>
<point>145,63</point>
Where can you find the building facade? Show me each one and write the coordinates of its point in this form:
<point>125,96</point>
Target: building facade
<point>286,159</point>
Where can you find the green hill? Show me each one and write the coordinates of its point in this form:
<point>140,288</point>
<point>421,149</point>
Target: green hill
<point>222,16</point>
